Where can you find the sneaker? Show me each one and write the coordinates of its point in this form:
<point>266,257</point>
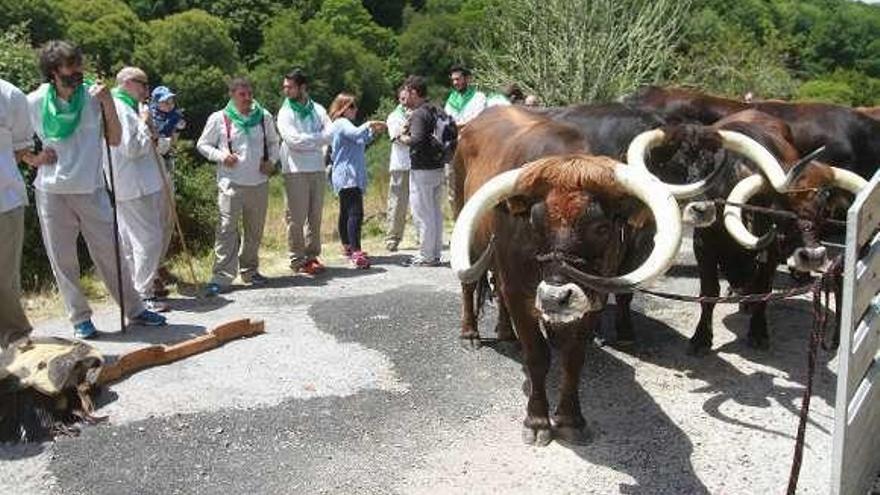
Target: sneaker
<point>85,330</point>
<point>212,289</point>
<point>155,305</point>
<point>311,267</point>
<point>148,318</point>
<point>418,261</point>
<point>360,260</point>
<point>255,279</point>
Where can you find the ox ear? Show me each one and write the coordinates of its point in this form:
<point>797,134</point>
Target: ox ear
<point>518,204</point>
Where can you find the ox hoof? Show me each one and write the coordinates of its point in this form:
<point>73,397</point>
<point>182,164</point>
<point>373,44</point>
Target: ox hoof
<point>470,340</point>
<point>758,343</point>
<point>573,435</point>
<point>537,437</point>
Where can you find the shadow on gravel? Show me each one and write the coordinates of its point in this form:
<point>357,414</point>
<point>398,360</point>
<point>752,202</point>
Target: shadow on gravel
<point>19,451</point>
<point>169,334</point>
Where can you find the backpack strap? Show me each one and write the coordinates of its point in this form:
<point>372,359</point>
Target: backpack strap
<point>265,139</point>
<point>228,124</point>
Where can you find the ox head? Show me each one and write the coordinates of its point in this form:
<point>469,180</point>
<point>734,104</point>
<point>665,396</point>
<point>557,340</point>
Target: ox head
<point>811,192</point>
<point>579,208</point>
<point>689,158</point>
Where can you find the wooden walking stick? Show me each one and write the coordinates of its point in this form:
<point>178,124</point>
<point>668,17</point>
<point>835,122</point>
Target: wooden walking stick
<point>112,192</point>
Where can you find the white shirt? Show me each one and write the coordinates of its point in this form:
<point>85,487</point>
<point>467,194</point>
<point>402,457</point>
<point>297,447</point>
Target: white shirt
<point>16,134</point>
<point>78,169</point>
<point>303,140</point>
<point>474,106</point>
<point>497,100</point>
<point>135,170</point>
<point>214,144</point>
<point>399,152</point>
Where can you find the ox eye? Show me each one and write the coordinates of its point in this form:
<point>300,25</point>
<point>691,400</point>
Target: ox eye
<point>602,230</point>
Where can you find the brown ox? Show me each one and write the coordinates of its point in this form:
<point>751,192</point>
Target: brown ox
<point>873,112</point>
<point>559,233</point>
<point>726,246</point>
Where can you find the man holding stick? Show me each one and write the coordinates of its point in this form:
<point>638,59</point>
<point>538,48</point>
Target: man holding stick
<point>70,192</point>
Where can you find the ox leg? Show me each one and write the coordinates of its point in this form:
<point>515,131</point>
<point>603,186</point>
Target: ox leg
<point>758,337</point>
<point>470,337</point>
<point>536,358</point>
<point>623,319</point>
<point>701,342</point>
<point>568,420</point>
<point>504,327</point>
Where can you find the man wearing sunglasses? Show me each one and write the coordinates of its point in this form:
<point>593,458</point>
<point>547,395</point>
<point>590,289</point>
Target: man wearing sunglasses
<point>138,180</point>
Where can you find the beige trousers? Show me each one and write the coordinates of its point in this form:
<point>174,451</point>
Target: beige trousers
<point>13,322</point>
<point>398,205</point>
<point>305,203</point>
<point>63,217</point>
<point>141,226</point>
<point>235,254</point>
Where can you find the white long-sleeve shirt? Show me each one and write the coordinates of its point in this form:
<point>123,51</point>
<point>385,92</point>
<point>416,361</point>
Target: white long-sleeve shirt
<point>78,169</point>
<point>474,106</point>
<point>303,139</point>
<point>396,122</point>
<point>16,134</point>
<point>214,144</point>
<point>135,170</point>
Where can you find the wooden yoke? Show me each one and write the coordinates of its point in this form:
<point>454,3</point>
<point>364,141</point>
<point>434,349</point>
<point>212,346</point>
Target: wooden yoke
<point>161,354</point>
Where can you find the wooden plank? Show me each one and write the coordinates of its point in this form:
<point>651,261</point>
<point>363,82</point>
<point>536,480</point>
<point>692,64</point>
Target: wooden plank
<point>867,209</point>
<point>860,454</point>
<point>865,344</point>
<point>867,278</point>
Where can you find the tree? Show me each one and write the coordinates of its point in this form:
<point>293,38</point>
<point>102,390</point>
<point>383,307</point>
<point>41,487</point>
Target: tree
<point>350,18</point>
<point>570,51</point>
<point>43,23</point>
<point>335,63</point>
<point>18,61</point>
<point>193,53</point>
<point>107,30</point>
<point>430,44</point>
<point>386,13</point>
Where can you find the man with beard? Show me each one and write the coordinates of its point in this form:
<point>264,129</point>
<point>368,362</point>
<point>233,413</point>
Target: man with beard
<point>71,198</point>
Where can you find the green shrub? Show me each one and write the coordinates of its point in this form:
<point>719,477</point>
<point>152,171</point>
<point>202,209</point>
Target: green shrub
<point>196,196</point>
<point>827,92</point>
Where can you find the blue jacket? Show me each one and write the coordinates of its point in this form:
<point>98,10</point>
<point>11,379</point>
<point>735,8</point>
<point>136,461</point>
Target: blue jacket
<point>348,155</point>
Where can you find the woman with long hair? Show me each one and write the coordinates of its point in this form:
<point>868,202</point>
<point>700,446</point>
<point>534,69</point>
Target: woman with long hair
<point>349,173</point>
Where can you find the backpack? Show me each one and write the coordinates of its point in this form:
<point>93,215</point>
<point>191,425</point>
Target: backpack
<point>445,134</point>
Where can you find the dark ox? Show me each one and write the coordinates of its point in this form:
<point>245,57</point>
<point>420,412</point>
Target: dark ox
<point>806,188</point>
<point>559,233</point>
<point>850,137</point>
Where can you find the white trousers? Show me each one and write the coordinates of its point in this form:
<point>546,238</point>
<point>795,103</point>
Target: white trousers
<point>63,217</point>
<point>141,228</point>
<point>426,196</point>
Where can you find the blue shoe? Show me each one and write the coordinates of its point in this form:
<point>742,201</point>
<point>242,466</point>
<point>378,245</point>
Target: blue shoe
<point>148,318</point>
<point>212,289</point>
<point>85,330</point>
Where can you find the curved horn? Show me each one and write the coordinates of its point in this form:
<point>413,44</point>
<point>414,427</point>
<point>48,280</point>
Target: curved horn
<point>847,180</point>
<point>667,239</point>
<point>638,150</point>
<point>758,154</point>
<point>733,221</point>
<point>486,197</point>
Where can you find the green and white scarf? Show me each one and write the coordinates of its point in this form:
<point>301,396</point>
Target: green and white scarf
<point>458,100</point>
<point>124,97</point>
<point>59,124</point>
<point>302,110</point>
<point>400,111</point>
<point>244,123</point>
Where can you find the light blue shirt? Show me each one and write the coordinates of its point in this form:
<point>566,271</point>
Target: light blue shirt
<point>349,159</point>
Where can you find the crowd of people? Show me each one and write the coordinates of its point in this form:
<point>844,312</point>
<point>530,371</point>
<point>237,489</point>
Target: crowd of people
<point>98,149</point>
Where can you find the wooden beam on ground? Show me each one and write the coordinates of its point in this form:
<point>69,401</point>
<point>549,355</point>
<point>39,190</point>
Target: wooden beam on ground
<point>157,355</point>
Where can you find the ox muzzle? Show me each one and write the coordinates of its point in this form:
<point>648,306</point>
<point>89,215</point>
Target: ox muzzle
<point>566,302</point>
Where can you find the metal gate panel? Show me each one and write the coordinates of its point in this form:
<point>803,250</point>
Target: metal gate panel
<point>856,443</point>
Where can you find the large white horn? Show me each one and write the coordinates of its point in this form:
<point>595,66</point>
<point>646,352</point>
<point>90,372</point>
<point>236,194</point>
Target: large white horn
<point>754,151</point>
<point>667,239</point>
<point>482,201</point>
<point>847,180</point>
<point>638,150</point>
<point>742,193</point>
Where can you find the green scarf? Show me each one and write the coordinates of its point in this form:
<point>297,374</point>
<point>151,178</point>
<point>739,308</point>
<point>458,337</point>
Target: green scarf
<point>304,111</point>
<point>60,124</point>
<point>124,97</point>
<point>244,123</point>
<point>458,100</point>
<point>400,111</point>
